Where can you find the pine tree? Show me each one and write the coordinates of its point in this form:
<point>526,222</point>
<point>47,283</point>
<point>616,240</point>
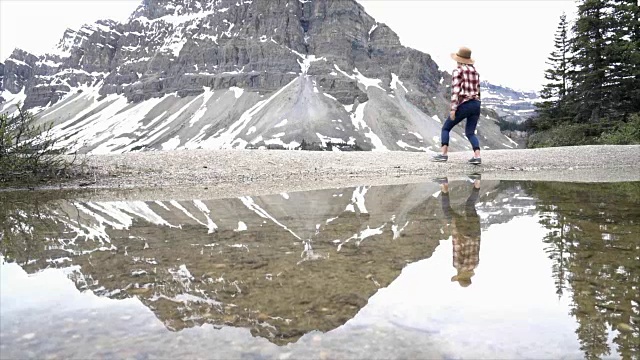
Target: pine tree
<point>559,62</point>
<point>555,90</point>
<point>592,32</point>
<point>624,54</point>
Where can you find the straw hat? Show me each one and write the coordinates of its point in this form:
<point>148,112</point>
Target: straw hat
<point>463,56</point>
<point>463,277</point>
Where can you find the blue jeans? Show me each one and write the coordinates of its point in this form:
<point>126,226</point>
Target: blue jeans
<point>469,110</point>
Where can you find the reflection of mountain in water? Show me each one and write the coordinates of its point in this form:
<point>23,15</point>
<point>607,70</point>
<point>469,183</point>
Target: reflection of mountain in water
<point>282,265</point>
<point>508,200</point>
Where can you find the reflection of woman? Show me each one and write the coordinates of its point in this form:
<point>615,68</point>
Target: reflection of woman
<point>465,231</point>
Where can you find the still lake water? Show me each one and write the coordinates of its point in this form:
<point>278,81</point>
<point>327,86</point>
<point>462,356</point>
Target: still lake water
<point>512,270</point>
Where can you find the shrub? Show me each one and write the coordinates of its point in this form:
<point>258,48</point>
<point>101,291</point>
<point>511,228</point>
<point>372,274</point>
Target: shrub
<point>626,133</point>
<point>566,135</point>
<point>29,152</point>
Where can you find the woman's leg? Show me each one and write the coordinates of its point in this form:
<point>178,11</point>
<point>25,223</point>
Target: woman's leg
<point>470,128</point>
<point>446,129</point>
<point>446,203</point>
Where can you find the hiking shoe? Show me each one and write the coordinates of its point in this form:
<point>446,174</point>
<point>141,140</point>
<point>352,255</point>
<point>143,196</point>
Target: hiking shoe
<point>475,176</point>
<point>440,158</point>
<point>475,161</point>
<point>441,180</point>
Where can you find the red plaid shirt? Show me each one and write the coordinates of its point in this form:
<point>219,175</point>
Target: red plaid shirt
<point>465,85</point>
<point>466,252</point>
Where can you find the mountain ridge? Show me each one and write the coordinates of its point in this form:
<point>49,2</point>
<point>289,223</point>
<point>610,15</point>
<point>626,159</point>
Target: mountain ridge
<point>189,74</point>
<point>510,104</point>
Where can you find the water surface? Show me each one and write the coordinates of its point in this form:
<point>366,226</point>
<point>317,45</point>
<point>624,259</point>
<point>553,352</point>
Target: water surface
<point>509,270</point>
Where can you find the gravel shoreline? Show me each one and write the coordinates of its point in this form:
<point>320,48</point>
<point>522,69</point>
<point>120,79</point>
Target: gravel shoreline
<point>219,173</point>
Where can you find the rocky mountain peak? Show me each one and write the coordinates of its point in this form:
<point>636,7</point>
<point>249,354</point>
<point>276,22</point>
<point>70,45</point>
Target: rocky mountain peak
<point>154,9</point>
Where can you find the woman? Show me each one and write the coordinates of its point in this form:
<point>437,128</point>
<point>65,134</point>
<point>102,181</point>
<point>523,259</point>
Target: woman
<point>465,104</point>
<point>465,232</point>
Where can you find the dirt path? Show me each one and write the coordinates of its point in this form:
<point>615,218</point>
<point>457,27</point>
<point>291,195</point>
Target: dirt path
<point>215,173</point>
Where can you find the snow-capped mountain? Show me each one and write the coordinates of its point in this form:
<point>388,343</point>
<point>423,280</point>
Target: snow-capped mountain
<point>185,74</point>
<point>511,105</point>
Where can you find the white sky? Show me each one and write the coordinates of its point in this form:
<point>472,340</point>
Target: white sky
<point>510,40</point>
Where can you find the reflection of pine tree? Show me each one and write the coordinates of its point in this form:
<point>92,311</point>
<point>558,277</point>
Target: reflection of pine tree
<point>592,327</point>
<point>556,249</point>
<point>593,243</point>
